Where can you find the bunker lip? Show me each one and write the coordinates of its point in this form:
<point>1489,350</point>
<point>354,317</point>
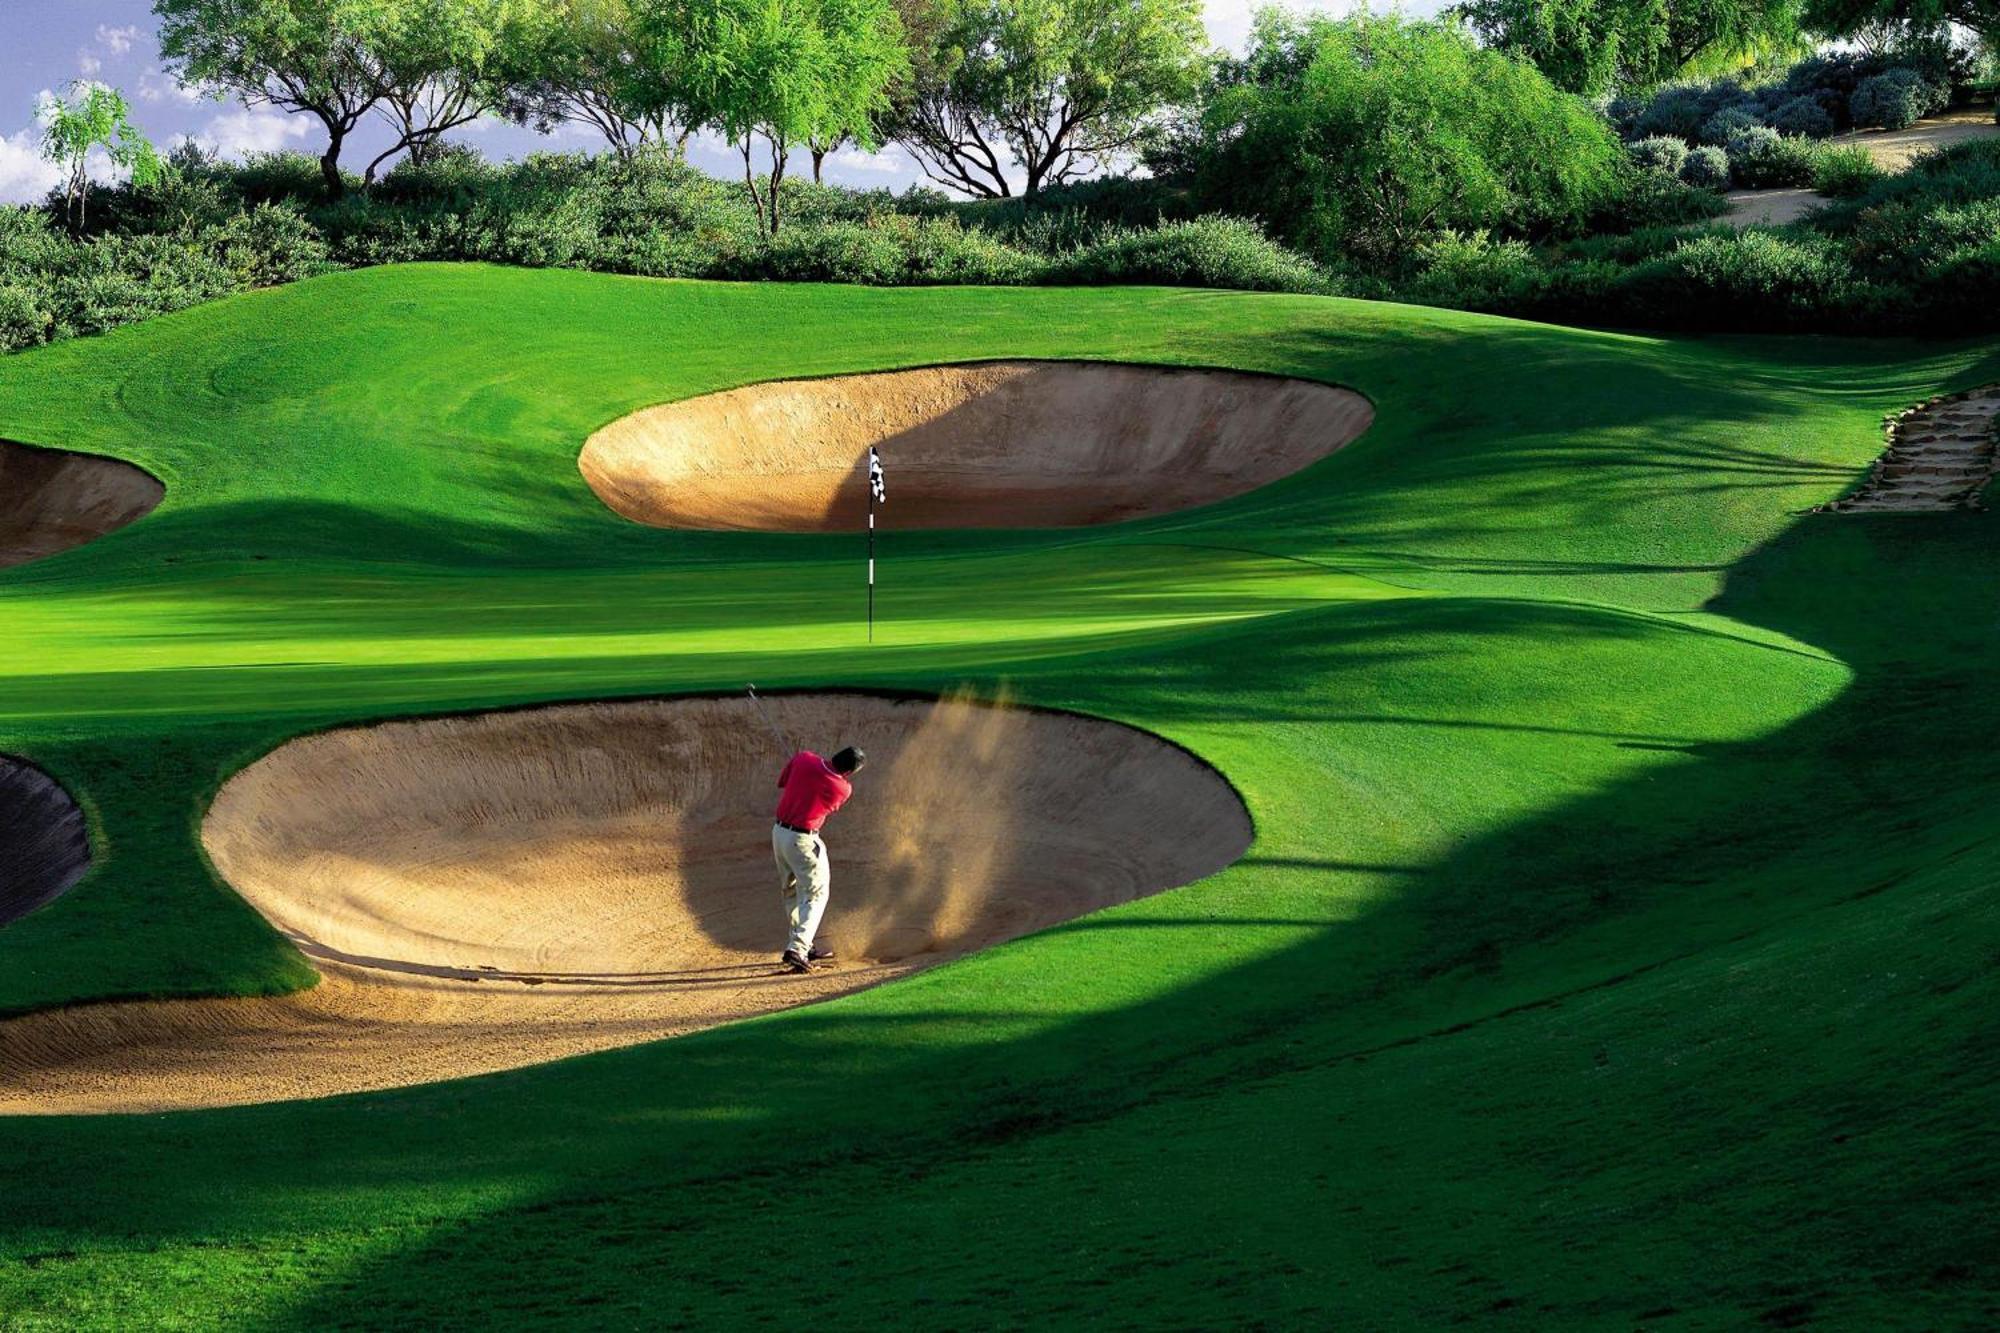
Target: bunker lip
<point>52,500</point>
<point>1017,444</point>
<point>44,839</point>
<point>491,890</point>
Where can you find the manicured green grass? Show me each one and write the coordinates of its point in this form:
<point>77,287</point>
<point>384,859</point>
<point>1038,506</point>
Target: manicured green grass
<point>1615,950</point>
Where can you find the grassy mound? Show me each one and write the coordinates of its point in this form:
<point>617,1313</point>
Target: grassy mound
<point>1614,949</point>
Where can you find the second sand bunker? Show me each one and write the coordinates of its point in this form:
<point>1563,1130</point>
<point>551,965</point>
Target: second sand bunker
<point>1021,444</point>
<point>494,890</point>
<point>51,500</point>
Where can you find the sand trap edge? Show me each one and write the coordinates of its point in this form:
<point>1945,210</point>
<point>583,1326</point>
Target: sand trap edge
<point>620,490</point>
<point>44,839</point>
<point>118,494</point>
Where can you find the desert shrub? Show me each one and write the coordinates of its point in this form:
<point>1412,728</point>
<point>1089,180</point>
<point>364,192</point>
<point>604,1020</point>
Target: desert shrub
<point>1961,176</point>
<point>1946,61</point>
<point>1049,234</point>
<point>1370,133</point>
<point>1830,80</point>
<point>275,178</point>
<point>1204,252</point>
<point>886,250</point>
<point>1719,128</point>
<point>1678,110</point>
<point>1109,201</point>
<point>1760,278</point>
<point>1761,158</point>
<point>1660,153</point>
<point>1845,171</point>
<point>453,175</point>
<point>23,322</point>
<point>267,246</point>
<point>1800,116</point>
<point>1960,294</point>
<point>1894,100</point>
<point>1473,271</point>
<point>1653,199</point>
<point>1706,168</point>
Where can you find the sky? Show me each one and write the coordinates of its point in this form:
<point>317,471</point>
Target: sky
<point>45,44</point>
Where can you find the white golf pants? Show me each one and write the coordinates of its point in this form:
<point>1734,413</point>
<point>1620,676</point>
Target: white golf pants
<point>804,878</point>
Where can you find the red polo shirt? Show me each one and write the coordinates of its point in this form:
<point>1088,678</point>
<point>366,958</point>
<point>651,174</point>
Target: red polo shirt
<point>812,791</point>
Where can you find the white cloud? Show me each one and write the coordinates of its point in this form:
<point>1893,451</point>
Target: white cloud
<point>252,130</point>
<point>117,40</point>
<point>114,43</point>
<point>156,85</point>
<point>24,176</point>
<point>885,161</point>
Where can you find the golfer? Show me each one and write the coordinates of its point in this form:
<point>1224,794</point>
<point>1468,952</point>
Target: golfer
<point>812,788</point>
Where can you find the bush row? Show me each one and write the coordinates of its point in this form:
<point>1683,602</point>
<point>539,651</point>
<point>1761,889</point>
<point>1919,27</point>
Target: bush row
<point>1915,253</point>
<point>1816,97</point>
<point>206,232</point>
<point>1918,252</point>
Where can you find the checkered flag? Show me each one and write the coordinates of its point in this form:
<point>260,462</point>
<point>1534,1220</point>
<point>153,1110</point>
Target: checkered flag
<point>878,490</point>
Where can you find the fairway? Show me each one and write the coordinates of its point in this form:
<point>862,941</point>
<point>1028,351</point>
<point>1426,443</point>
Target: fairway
<point>1568,904</point>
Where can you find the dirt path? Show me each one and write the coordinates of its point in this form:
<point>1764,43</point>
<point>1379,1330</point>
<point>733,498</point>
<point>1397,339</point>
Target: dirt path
<point>1941,456</point>
<point>485,892</point>
<point>1769,208</point>
<point>1893,151</point>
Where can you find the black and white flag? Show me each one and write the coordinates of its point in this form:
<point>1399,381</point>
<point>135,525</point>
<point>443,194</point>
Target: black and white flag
<point>878,490</point>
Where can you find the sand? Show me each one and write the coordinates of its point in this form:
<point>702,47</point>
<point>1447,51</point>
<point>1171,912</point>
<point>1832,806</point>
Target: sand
<point>51,501</point>
<point>491,891</point>
<point>44,842</point>
<point>1027,444</point>
<point>1770,208</point>
<point>1892,150</point>
<point>1898,150</point>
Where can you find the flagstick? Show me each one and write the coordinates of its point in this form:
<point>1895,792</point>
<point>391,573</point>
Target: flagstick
<point>871,547</point>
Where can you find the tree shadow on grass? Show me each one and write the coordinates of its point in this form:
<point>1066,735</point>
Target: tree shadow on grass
<point>661,1179</point>
<point>1604,890</point>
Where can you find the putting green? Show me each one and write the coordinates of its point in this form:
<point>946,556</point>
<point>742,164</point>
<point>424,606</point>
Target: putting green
<point>1614,947</point>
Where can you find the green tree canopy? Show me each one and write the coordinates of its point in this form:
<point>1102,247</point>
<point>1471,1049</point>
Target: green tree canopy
<point>1361,137</point>
<point>1590,46</point>
<point>593,65</point>
<point>789,72</point>
<point>1847,18</point>
<point>314,57</point>
<point>90,118</point>
<point>446,63</point>
<point>1052,88</point>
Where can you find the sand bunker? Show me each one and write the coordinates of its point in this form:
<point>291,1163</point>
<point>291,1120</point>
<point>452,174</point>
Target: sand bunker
<point>1022,444</point>
<point>44,843</point>
<point>486,892</point>
<point>51,500</point>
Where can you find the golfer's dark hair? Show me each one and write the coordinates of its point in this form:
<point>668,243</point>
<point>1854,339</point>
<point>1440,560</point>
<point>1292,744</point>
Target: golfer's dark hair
<point>848,760</point>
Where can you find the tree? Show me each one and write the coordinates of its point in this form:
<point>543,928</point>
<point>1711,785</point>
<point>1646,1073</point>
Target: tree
<point>592,66</point>
<point>92,118</point>
<point>316,57</point>
<point>1590,46</point>
<point>1854,18</point>
<point>788,71</point>
<point>1054,88</point>
<point>1365,137</point>
<point>443,64</point>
